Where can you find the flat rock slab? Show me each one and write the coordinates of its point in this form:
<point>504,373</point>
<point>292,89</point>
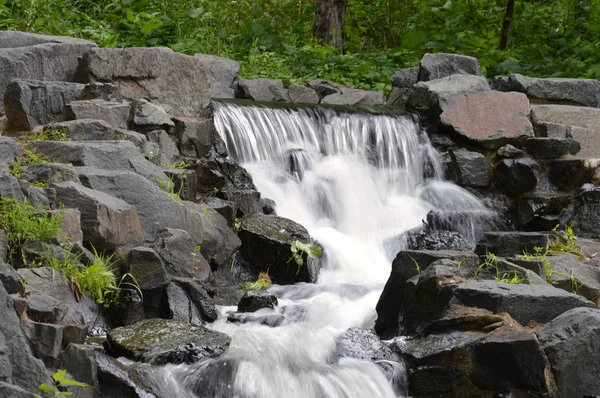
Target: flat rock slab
<point>437,66</point>
<point>489,119</point>
<point>268,90</point>
<point>509,244</point>
<point>434,93</point>
<point>552,148</point>
<point>574,91</point>
<point>573,276</point>
<point>355,97</point>
<point>161,341</point>
<point>115,113</point>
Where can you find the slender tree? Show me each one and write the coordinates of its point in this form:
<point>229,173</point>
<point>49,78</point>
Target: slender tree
<point>508,17</point>
<point>329,22</point>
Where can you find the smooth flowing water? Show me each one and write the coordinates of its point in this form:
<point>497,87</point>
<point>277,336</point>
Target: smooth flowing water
<point>356,181</point>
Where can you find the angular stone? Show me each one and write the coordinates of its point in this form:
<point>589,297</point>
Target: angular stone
<point>10,279</point>
<point>116,114</point>
<point>50,173</point>
<point>325,88</point>
<point>12,391</point>
<point>9,187</point>
<point>147,268</point>
<point>107,222</point>
<point>221,73</point>
<point>571,343</point>
<point>9,150</point>
<point>302,94</point>
<point>510,152</point>
<point>570,174</point>
<point>254,301</point>
<point>184,183</point>
<point>350,96</point>
<point>434,93</point>
<point>29,103</point>
<point>518,175</point>
<point>509,244</point>
<point>567,91</point>
<point>467,168</point>
<point>176,81</point>
<point>166,144</point>
<point>399,97</point>
<point>267,90</point>
<point>100,91</point>
<point>551,148</point>
<point>39,57</point>
<point>47,341</point>
<point>179,252</point>
<point>541,211</point>
<point>587,212</point>
<point>406,78</point>
<point>88,130</point>
<point>181,307</point>
<point>552,130</point>
<point>575,277</point>
<point>161,341</point>
<point>224,207</point>
<point>38,197</point>
<point>201,299</point>
<point>145,116</point>
<point>437,66</point>
<point>196,137</point>
<point>70,226</point>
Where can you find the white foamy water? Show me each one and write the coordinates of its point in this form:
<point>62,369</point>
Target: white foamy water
<point>355,181</point>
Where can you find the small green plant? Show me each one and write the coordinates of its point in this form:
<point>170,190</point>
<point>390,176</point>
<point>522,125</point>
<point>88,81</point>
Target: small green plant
<point>29,157</point>
<point>262,283</point>
<point>540,254</point>
<point>512,277</point>
<point>59,380</point>
<point>565,242</point>
<point>459,264</point>
<point>237,225</point>
<point>176,165</point>
<point>58,134</point>
<point>417,267</point>
<point>169,187</point>
<point>298,249</point>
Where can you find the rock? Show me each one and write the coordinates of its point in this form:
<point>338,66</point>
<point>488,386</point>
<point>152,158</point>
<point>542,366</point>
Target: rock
<point>3,245</point>
<point>166,145</point>
<point>9,187</point>
<point>70,226</point>
<point>268,90</point>
<point>38,197</point>
<point>88,130</point>
<point>363,344</point>
<point>324,87</point>
<point>10,279</point>
<point>100,91</point>
<point>524,303</point>
<point>181,308</point>
<point>111,155</point>
<point>467,168</point>
<point>201,298</point>
<point>426,237</point>
<point>210,177</point>
<point>552,130</point>
<point>571,343</point>
<point>224,207</point>
<point>29,103</point>
<point>50,173</point>
<point>118,380</point>
<point>47,341</point>
<point>161,341</point>
<point>406,78</point>
<point>434,94</point>
<point>302,94</point>
<point>27,371</point>
<point>9,150</point>
<point>131,306</point>
<point>350,96</point>
<point>508,244</point>
<point>399,97</point>
<point>247,201</point>
<point>575,277</point>
<point>39,57</point>
<point>437,66</point>
<point>541,211</point>
<point>196,137</point>
<point>510,152</point>
<point>146,116</point>
<point>157,210</point>
<point>518,175</point>
<point>571,174</point>
<point>573,91</point>
<point>254,301</point>
<point>587,212</point>
<point>266,245</point>
<point>107,222</point>
<point>116,114</point>
<point>12,391</point>
<point>551,148</point>
<point>180,253</point>
<point>175,81</point>
<point>404,267</point>
<point>184,183</point>
<point>221,73</point>
<point>147,268</point>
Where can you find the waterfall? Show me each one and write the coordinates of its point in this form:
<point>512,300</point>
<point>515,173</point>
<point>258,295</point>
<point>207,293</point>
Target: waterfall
<point>356,181</point>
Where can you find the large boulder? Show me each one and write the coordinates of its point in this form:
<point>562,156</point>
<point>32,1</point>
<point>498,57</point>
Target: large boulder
<point>181,254</point>
<point>196,137</point>
<point>30,103</point>
<point>38,57</point>
<point>437,66</point>
<point>266,245</point>
<point>302,94</point>
<point>161,341</point>
<point>221,73</point>
<point>433,94</point>
<point>576,277</point>
<point>115,113</point>
<point>158,210</point>
<point>406,78</point>
<point>175,81</point>
<point>253,301</point>
<point>574,91</point>
<point>50,173</point>
<point>96,130</point>
<point>571,343</point>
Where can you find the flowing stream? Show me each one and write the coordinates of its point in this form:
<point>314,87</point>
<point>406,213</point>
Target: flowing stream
<point>356,181</point>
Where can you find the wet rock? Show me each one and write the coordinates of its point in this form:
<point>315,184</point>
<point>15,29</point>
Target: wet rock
<point>254,301</point>
<point>524,303</point>
<point>355,97</point>
<point>437,66</point>
<point>10,279</point>
<point>29,103</point>
<point>247,201</point>
<point>302,94</point>
<point>116,114</point>
<point>266,243</point>
<point>569,174</point>
<point>587,212</point>
<point>399,97</point>
<point>406,78</point>
<point>467,168</point>
<point>50,173</point>
<point>268,90</point>
<point>168,147</point>
<point>147,268</point>
<point>268,206</point>
<point>574,91</point>
<point>518,175</point>
<point>180,254</point>
<point>221,73</point>
<point>201,298</point>
<point>575,277</point>
<point>175,81</point>
<point>427,238</point>
<point>541,211</point>
<point>551,148</point>
<point>324,87</point>
<point>225,208</point>
<point>184,183</point>
<point>118,380</point>
<point>31,56</point>
<point>196,137</point>
<point>181,308</point>
<point>130,307</point>
<point>107,222</point>
<point>508,244</point>
<point>363,344</point>
<point>570,342</point>
<point>9,150</point>
<point>161,341</point>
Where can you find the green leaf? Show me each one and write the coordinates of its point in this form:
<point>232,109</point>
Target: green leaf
<point>58,376</point>
<point>151,26</point>
<point>46,388</point>
<point>69,382</point>
<point>257,29</point>
<point>315,252</point>
<point>40,22</point>
<point>414,38</point>
<point>194,13</point>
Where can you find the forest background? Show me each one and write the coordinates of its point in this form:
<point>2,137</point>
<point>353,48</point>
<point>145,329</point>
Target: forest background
<point>275,38</point>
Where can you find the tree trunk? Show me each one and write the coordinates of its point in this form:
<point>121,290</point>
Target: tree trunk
<point>508,17</point>
<point>329,22</point>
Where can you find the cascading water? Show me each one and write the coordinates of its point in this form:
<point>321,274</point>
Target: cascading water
<point>356,181</point>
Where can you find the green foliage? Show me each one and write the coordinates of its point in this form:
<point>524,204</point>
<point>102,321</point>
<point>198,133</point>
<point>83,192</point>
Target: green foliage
<point>59,380</point>
<point>262,283</point>
<point>29,157</point>
<point>50,135</point>
<point>237,225</point>
<point>512,277</point>
<point>298,249</point>
<point>176,165</point>
<point>417,267</point>
<point>565,243</point>
<point>540,254</point>
<point>169,187</point>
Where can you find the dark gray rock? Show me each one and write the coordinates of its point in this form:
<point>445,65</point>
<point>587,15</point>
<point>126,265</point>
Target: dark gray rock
<point>302,94</point>
<point>9,187</point>
<point>363,344</point>
<point>432,94</point>
<point>184,183</point>
<point>269,90</point>
<point>163,341</point>
<point>9,150</point>
<point>571,343</point>
<point>34,195</point>
<point>551,148</point>
<point>147,268</point>
<point>116,114</point>
<point>225,208</point>
<point>3,245</point>
<point>541,211</point>
<point>573,91</point>
<point>100,91</point>
<point>571,174</point>
<point>518,175</point>
<point>44,308</point>
<point>107,222</point>
<point>587,212</point>
<point>221,73</point>
<point>47,341</point>
<point>158,210</point>
<point>179,253</point>
<point>350,96</point>
<point>437,66</point>
<point>575,277</point>
<point>12,391</point>
<point>88,130</point>
<point>510,152</point>
<point>325,88</point>
<point>181,308</point>
<point>201,298</point>
<point>10,279</point>
<point>175,81</point>
<point>253,301</point>
<point>552,130</point>
<point>266,243</point>
<point>39,57</point>
<point>406,78</point>
<point>29,103</point>
<point>196,137</point>
<point>399,97</point>
<point>145,116</point>
<point>525,303</point>
<point>467,168</point>
<point>509,244</point>
<point>50,173</point>
<point>247,201</point>
<point>166,144</point>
